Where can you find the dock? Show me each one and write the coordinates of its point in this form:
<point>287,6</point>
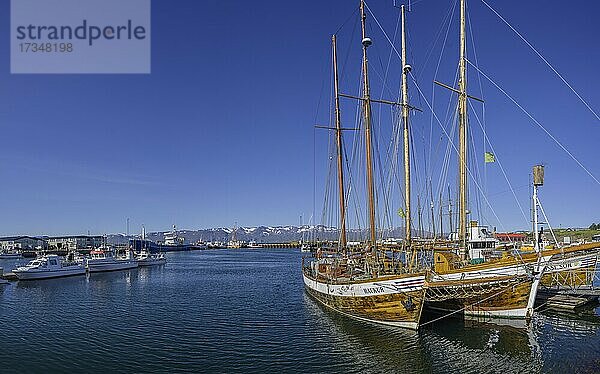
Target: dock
<point>280,245</point>
<point>568,299</point>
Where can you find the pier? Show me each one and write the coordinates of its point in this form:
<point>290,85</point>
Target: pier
<point>568,299</point>
<point>281,245</point>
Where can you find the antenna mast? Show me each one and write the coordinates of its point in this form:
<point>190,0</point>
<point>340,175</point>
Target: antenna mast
<point>538,180</point>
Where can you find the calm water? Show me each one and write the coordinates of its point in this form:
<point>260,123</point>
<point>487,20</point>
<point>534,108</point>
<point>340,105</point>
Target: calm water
<point>246,311</point>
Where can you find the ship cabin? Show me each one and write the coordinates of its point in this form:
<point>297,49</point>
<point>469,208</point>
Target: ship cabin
<point>481,243</point>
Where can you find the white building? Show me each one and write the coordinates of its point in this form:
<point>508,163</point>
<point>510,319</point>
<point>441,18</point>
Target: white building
<point>75,242</point>
<point>21,242</point>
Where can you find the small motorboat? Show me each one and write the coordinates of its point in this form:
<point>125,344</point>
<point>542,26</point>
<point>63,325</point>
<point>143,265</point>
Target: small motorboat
<point>2,280</point>
<point>50,266</point>
<point>104,259</point>
<point>145,258</point>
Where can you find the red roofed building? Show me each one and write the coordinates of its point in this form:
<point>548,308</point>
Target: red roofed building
<point>510,237</point>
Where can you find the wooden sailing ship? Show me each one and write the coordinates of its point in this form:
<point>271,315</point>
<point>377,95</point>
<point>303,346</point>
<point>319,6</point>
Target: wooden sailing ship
<point>504,287</point>
<point>495,287</point>
<point>365,285</point>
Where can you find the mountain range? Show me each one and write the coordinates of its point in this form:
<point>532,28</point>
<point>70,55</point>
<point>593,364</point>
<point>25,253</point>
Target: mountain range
<point>260,234</point>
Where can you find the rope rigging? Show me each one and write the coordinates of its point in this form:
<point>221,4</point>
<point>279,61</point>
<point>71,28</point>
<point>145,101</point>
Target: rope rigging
<point>542,58</point>
<point>536,122</point>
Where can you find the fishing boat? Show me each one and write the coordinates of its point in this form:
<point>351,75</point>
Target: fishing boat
<point>234,243</point>
<point>216,244</point>
<point>254,245</point>
<point>368,284</point>
<point>145,258</point>
<point>104,259</point>
<point>50,266</point>
<point>200,245</point>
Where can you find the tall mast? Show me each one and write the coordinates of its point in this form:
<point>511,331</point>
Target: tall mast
<point>462,130</point>
<point>338,133</point>
<point>441,218</point>
<point>432,207</point>
<point>366,42</point>
<point>405,71</point>
<point>451,228</point>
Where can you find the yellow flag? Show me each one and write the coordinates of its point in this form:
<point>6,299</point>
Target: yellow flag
<point>489,157</point>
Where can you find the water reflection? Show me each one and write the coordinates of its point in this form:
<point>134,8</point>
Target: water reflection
<point>469,345</point>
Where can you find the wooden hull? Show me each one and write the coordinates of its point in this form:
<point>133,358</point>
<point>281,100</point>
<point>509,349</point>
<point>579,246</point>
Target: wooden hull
<point>572,271</point>
<point>395,301</point>
<point>503,297</point>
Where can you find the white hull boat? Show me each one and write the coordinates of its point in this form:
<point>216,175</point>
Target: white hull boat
<point>147,259</point>
<point>103,260</point>
<point>51,266</point>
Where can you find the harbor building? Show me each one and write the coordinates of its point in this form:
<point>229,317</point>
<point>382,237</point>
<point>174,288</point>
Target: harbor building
<point>22,242</point>
<point>75,242</point>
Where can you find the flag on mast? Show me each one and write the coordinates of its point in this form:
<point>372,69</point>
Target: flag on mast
<point>401,213</point>
<point>489,157</point>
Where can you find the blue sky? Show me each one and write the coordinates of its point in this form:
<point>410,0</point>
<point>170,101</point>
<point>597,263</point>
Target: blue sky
<point>221,131</point>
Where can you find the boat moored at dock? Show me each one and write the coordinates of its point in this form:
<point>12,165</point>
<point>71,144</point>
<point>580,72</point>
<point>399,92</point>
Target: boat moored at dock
<point>393,299</point>
<point>50,266</point>
<point>145,258</point>
<point>368,282</point>
<point>104,259</point>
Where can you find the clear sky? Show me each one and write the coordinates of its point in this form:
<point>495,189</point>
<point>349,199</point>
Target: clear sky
<point>221,131</point>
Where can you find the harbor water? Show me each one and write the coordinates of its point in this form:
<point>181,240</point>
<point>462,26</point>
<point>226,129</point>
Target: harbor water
<point>246,311</point>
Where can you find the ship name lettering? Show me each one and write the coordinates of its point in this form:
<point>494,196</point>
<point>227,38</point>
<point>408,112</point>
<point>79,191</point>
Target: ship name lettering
<point>373,290</point>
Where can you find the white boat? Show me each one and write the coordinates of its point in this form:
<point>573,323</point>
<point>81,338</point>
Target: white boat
<point>145,258</point>
<point>305,247</point>
<point>253,244</point>
<point>172,238</point>
<point>6,255</point>
<point>50,266</point>
<point>105,260</point>
<point>2,280</point>
<point>200,245</point>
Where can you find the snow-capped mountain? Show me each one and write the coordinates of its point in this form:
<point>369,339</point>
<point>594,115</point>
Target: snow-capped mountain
<point>260,234</point>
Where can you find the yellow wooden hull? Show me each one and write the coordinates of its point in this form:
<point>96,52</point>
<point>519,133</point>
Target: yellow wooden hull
<point>502,297</point>
<point>394,301</point>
